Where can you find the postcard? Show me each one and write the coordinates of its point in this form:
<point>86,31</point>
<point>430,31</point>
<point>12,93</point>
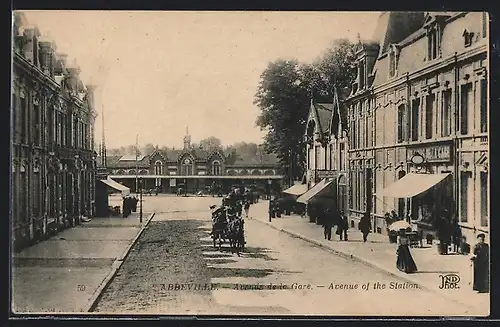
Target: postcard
<point>250,163</point>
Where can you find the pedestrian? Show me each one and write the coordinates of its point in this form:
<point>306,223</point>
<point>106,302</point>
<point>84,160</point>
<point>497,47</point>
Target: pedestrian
<point>404,262</point>
<point>365,226</point>
<point>342,225</point>
<point>247,208</point>
<point>328,223</point>
<point>443,233</point>
<point>456,236</point>
<point>481,262</point>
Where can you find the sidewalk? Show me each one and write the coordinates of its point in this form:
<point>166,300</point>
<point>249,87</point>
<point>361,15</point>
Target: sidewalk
<point>67,272</point>
<point>380,254</point>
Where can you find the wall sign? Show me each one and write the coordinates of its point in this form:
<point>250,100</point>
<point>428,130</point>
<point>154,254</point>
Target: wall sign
<point>431,153</point>
<point>321,174</point>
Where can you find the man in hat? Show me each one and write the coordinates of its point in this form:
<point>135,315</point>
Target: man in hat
<point>481,261</point>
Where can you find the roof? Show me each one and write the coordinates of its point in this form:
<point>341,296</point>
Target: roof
<point>131,157</point>
<point>324,115</point>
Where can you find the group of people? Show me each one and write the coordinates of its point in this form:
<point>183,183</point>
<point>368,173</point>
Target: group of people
<point>331,217</point>
<point>129,205</point>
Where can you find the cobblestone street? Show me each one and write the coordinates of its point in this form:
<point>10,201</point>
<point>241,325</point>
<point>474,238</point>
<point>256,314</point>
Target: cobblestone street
<point>176,249</point>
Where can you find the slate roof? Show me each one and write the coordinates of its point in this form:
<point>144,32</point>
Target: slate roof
<point>324,114</point>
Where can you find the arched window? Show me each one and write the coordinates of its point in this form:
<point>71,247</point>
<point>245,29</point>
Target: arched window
<point>269,172</point>
<point>216,168</point>
<point>244,172</point>
<point>131,172</point>
<point>187,167</point>
<point>256,172</point>
<point>158,168</point>
<point>231,172</point>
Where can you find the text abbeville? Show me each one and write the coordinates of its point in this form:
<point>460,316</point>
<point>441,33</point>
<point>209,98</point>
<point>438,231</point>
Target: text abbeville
<point>187,287</point>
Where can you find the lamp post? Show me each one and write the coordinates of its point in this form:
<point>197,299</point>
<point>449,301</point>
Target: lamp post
<point>140,203</point>
<point>270,200</point>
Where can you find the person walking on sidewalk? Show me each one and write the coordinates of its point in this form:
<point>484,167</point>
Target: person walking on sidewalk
<point>481,262</point>
<point>342,225</point>
<point>247,208</point>
<point>404,262</point>
<point>365,226</point>
<point>328,223</point>
<point>456,236</point>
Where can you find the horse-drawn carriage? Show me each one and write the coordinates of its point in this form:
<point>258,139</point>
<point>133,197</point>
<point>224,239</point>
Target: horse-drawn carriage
<point>228,225</point>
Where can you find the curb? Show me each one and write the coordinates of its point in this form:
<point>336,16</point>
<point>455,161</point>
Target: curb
<point>366,262</point>
<point>96,296</point>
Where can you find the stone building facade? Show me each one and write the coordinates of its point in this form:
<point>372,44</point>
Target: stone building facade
<point>420,105</point>
<point>193,169</point>
<point>53,161</point>
<point>326,151</point>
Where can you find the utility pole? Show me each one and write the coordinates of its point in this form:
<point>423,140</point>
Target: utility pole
<point>136,163</point>
<point>140,204</point>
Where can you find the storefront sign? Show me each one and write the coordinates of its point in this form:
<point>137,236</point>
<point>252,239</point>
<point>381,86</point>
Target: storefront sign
<point>432,153</point>
<point>321,174</point>
<point>172,182</point>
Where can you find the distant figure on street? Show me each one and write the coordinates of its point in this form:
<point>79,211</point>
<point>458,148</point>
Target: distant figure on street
<point>444,232</point>
<point>247,208</point>
<point>328,223</point>
<point>404,262</point>
<point>342,226</point>
<point>456,237</point>
<point>365,226</point>
<point>481,262</point>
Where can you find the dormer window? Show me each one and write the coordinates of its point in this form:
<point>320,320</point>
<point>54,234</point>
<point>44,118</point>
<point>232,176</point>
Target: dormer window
<point>393,61</point>
<point>468,36</point>
<point>433,43</point>
<point>361,74</point>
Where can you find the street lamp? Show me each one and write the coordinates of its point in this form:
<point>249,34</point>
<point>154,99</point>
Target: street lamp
<point>269,195</point>
<point>140,204</point>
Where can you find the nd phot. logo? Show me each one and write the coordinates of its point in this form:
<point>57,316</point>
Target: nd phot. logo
<point>449,281</point>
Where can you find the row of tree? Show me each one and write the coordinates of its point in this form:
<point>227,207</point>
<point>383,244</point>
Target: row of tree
<point>233,152</point>
<point>284,94</point>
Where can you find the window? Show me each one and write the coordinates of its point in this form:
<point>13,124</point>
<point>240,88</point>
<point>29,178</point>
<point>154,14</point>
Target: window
<point>342,156</point>
<point>446,114</point>
<point>484,198</point>
<point>483,128</point>
<point>433,44</point>
<point>354,133</point>
<point>333,166</point>
<point>466,194</point>
<point>22,120</point>
<point>415,113</point>
<point>485,24</point>
<point>158,168</point>
<point>310,154</point>
<point>468,37</point>
<point>429,111</point>
<point>465,98</point>
<point>14,117</point>
<point>187,168</point>
<point>401,112</point>
<point>392,61</point>
<point>216,168</point>
<point>361,68</point>
<point>317,156</point>
<point>38,125</point>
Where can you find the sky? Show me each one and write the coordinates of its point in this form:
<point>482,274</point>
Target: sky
<point>159,73</point>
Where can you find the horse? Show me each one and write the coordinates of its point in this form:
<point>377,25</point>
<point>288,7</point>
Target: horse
<point>236,235</point>
<point>219,227</point>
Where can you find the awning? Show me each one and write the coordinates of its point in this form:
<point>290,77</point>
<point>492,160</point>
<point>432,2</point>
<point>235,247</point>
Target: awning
<point>318,189</point>
<point>412,184</point>
<point>117,186</point>
<point>297,190</point>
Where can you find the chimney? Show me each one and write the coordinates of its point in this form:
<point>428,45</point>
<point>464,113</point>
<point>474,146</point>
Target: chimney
<point>29,44</point>
<point>91,95</point>
<point>47,57</point>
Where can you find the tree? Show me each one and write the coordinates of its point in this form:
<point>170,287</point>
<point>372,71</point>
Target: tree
<point>283,96</point>
<point>131,150</point>
<point>210,144</point>
<point>148,148</point>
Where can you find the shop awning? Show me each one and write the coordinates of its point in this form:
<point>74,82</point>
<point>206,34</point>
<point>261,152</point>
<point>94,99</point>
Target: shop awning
<point>411,185</point>
<point>117,186</point>
<point>318,189</point>
<point>297,190</point>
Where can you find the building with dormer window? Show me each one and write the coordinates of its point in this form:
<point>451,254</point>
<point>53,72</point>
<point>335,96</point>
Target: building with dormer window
<point>53,158</point>
<point>325,142</point>
<point>193,169</point>
<point>418,140</point>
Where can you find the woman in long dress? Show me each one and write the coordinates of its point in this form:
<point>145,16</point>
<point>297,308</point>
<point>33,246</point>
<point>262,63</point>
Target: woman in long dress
<point>481,260</point>
<point>405,261</point>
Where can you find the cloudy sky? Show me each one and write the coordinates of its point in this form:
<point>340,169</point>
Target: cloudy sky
<point>159,72</point>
